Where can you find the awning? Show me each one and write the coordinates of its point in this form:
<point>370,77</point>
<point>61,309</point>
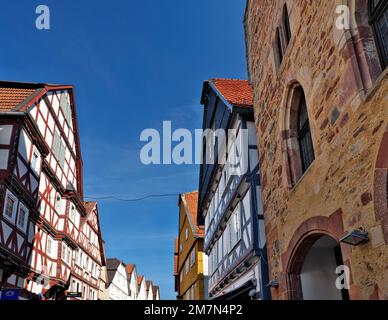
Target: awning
<point>240,293</point>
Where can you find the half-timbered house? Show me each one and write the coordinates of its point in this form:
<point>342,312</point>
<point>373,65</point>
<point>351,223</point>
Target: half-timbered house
<point>132,281</point>
<point>149,290</point>
<point>50,239</point>
<point>230,203</point>
<point>117,281</point>
<point>141,288</point>
<point>156,291</point>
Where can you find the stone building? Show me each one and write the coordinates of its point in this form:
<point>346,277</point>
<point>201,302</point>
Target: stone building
<point>321,112</point>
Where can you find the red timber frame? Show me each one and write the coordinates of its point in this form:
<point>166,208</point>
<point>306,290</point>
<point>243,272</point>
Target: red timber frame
<point>44,220</point>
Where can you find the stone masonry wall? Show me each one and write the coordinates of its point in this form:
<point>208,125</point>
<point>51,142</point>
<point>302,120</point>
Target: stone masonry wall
<point>348,111</point>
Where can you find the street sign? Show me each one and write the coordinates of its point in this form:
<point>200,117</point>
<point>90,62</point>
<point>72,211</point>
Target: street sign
<point>74,295</point>
<point>9,294</point>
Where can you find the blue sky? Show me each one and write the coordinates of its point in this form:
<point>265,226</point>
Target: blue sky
<point>133,65</point>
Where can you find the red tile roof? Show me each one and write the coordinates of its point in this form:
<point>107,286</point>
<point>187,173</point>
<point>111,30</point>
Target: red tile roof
<point>237,92</point>
<point>15,95</point>
<point>12,97</point>
<point>130,268</point>
<point>191,200</point>
<point>139,280</point>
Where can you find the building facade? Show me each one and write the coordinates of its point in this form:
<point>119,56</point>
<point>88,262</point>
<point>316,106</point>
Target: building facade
<point>190,260</point>
<point>321,112</point>
<point>156,293</point>
<point>132,281</point>
<point>230,203</point>
<point>50,239</point>
<point>149,290</point>
<point>141,288</point>
<point>117,284</point>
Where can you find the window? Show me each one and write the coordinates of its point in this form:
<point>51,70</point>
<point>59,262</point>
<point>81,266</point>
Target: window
<point>35,162</point>
<point>234,227</point>
<point>180,247</point>
<point>63,253</point>
<point>278,48</point>
<point>298,139</point>
<point>58,203</point>
<point>192,260</point>
<point>187,266</point>
<point>378,12</point>
<point>22,217</point>
<point>10,206</point>
<point>286,25</point>
<point>68,255</point>
<point>59,149</point>
<point>65,106</point>
<point>187,234</point>
<point>304,136</point>
<point>72,213</point>
<point>181,276</point>
<point>49,245</point>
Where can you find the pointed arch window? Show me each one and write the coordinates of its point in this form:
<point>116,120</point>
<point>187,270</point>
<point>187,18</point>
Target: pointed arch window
<point>378,15</point>
<point>304,136</point>
<point>278,48</point>
<point>286,25</point>
<point>297,138</point>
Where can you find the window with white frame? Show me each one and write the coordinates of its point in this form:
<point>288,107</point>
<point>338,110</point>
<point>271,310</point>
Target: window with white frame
<point>10,206</point>
<point>192,260</point>
<point>35,163</point>
<point>68,256</point>
<point>72,213</point>
<point>65,106</point>
<point>58,201</point>
<point>50,245</point>
<point>59,149</point>
<point>22,217</point>
<point>187,266</point>
<point>187,234</point>
<point>234,227</point>
<point>64,250</point>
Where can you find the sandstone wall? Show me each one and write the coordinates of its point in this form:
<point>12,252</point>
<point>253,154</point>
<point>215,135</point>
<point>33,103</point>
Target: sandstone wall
<point>346,97</point>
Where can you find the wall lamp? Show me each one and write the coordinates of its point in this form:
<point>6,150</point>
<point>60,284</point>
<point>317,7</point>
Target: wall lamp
<point>273,283</point>
<point>355,237</point>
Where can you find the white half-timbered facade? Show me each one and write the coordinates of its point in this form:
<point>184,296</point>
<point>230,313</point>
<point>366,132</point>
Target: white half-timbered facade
<point>132,281</point>
<point>117,284</point>
<point>149,290</point>
<point>50,239</point>
<point>141,288</point>
<point>229,194</point>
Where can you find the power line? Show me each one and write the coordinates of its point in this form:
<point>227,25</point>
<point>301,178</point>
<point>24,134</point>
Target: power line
<point>134,199</point>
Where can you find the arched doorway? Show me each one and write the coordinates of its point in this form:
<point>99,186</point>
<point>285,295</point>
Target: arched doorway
<point>312,270</point>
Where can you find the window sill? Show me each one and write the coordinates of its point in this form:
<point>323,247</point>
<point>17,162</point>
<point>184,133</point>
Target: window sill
<point>295,186</point>
<point>376,85</point>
